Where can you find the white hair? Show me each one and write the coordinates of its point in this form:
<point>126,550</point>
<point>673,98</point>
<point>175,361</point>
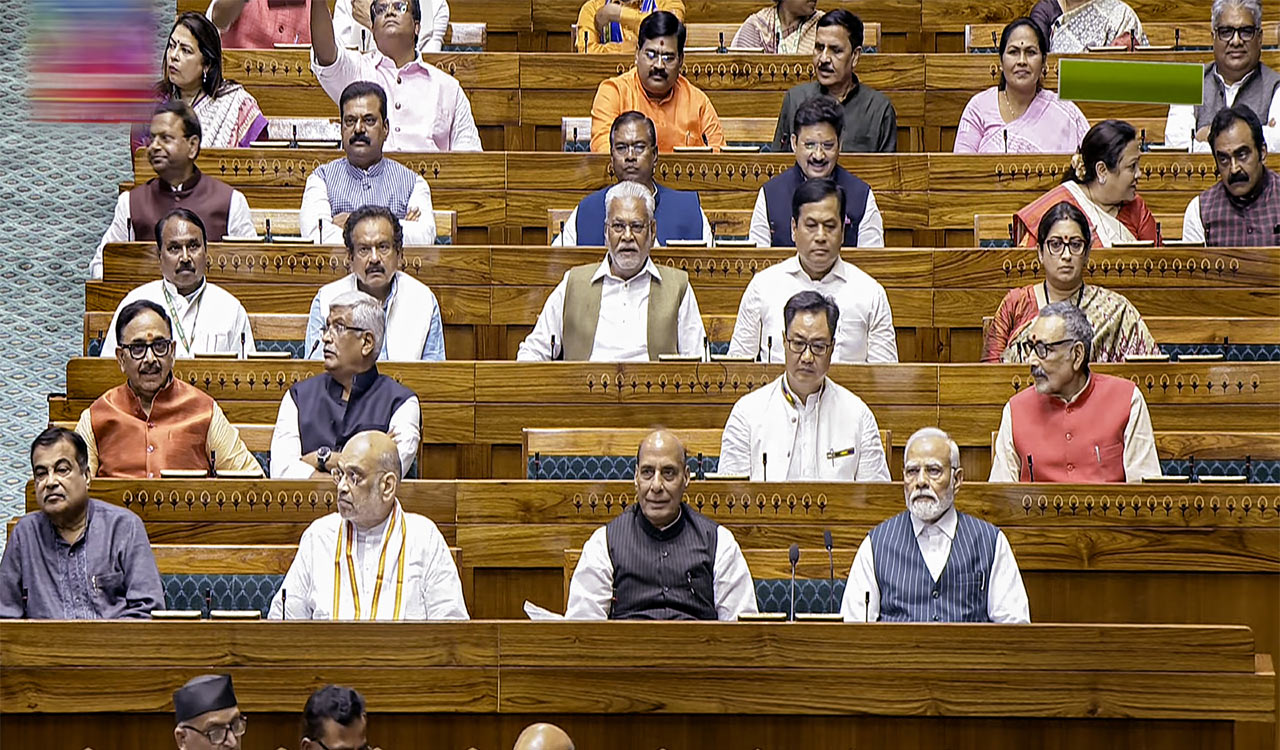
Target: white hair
<point>366,313</point>
<point>934,432</point>
<point>630,190</point>
<point>1220,6</point>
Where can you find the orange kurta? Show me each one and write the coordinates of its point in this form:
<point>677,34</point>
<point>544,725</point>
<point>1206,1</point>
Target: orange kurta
<point>629,22</point>
<point>683,118</point>
<point>132,443</point>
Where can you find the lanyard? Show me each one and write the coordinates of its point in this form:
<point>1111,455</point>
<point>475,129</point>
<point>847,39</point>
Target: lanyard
<point>349,530</point>
<point>177,319</point>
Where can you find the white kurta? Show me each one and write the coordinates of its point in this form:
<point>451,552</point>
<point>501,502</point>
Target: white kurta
<point>427,583</point>
<point>797,441</point>
<point>591,589</point>
<point>1180,125</point>
<point>211,318</point>
<point>414,330</point>
<point>286,440</point>
<point>1006,596</point>
<point>239,224</point>
<point>864,333</point>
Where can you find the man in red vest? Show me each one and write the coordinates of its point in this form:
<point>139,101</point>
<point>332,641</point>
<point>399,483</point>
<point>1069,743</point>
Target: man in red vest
<point>1075,426</point>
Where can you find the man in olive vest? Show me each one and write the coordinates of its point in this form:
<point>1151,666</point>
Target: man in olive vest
<point>625,308</point>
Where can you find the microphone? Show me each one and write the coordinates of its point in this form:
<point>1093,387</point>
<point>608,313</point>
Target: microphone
<point>267,236</point>
<point>764,466</point>
<point>1031,469</point>
<point>213,464</point>
<point>208,602</point>
<point>242,345</point>
<point>553,346</point>
<point>293,143</point>
<point>537,464</point>
<point>701,472</point>
<point>313,348</point>
<point>769,359</point>
<point>722,49</point>
<point>319,231</point>
<point>128,230</point>
<point>831,558</point>
<point>794,554</point>
<point>866,607</point>
<point>284,603</point>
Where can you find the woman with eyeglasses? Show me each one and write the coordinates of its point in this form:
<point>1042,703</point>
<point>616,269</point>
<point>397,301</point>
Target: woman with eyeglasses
<point>1074,26</point>
<point>1063,253</point>
<point>1020,116</point>
<point>229,115</point>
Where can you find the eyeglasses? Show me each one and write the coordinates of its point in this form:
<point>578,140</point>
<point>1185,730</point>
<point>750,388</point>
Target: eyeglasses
<point>639,148</point>
<point>339,329</point>
<point>138,350</point>
<point>814,146</point>
<point>666,57</point>
<point>818,348</point>
<point>621,227</point>
<point>1041,348</point>
<point>350,476</point>
<point>1075,245</point>
<point>384,249</point>
<point>1225,33</point>
<point>217,735</point>
<point>377,9</point>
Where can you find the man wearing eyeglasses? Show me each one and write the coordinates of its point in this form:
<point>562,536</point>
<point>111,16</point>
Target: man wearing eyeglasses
<point>1075,426</point>
<point>208,715</point>
<point>932,563</point>
<point>865,334</point>
<point>429,110</point>
<point>633,145</point>
<point>371,559</point>
<point>803,426</point>
<point>1243,208</point>
<point>655,87</point>
<point>335,719</point>
<point>1236,76</point>
<point>319,415</point>
<point>364,177</point>
<point>207,318</point>
<point>154,421</point>
<point>375,254</point>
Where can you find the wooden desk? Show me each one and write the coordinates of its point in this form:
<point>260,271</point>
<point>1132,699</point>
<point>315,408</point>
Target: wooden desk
<point>631,685</point>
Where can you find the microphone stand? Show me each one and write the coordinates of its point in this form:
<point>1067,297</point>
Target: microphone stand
<point>831,558</point>
<point>794,554</point>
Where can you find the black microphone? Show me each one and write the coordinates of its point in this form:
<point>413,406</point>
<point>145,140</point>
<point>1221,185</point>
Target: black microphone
<point>769,360</point>
<point>701,471</point>
<point>722,49</point>
<point>128,230</point>
<point>208,602</point>
<point>866,607</point>
<point>284,603</point>
<point>319,231</point>
<point>267,238</point>
<point>537,464</point>
<point>831,558</point>
<point>313,348</point>
<point>794,554</point>
<point>293,142</point>
<point>242,345</point>
<point>1031,469</point>
<point>764,466</point>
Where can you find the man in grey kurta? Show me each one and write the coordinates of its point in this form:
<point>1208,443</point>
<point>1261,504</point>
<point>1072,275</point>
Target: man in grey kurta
<point>75,558</point>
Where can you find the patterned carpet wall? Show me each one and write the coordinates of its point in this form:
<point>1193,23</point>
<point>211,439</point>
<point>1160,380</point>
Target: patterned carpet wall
<point>58,185</point>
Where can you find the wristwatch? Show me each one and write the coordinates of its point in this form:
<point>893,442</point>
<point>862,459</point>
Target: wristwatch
<point>322,458</point>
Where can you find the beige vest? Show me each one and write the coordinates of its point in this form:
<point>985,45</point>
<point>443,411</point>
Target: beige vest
<point>582,311</point>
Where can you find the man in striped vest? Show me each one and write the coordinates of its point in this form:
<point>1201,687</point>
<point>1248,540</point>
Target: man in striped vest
<point>932,563</point>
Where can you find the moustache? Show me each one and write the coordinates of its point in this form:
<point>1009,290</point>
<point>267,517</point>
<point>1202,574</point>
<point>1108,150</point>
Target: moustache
<point>1236,177</point>
<point>658,73</point>
<point>375,269</point>
<point>358,138</point>
<point>150,369</point>
<point>826,69</point>
<point>1037,372</point>
<point>186,266</point>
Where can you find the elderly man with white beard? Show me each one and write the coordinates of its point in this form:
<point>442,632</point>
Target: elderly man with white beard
<point>964,570</point>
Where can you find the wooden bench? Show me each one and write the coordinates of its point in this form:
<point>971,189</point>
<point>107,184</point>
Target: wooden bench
<point>575,132</point>
<point>712,37</point>
<point>985,37</point>
<point>286,223</point>
<point>997,229</point>
<point>726,224</point>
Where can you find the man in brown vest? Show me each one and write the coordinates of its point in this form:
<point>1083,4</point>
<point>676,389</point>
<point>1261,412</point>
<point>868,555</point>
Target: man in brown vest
<point>1243,208</point>
<point>175,144</point>
<point>625,308</point>
<point>155,422</point>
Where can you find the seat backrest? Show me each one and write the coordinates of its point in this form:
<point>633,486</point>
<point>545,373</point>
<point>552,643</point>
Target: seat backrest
<point>467,37</point>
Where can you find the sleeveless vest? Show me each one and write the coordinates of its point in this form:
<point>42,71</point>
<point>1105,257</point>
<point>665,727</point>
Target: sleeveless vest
<point>678,213</point>
<point>1256,94</point>
<point>777,198</point>
<point>133,444</point>
<point>208,197</point>
<point>325,420</point>
<point>1254,225</point>
<point>666,574</point>
<point>1061,438</point>
<point>582,311</point>
<point>387,183</point>
<point>908,592</point>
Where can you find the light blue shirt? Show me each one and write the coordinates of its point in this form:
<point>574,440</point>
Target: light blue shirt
<point>432,348</point>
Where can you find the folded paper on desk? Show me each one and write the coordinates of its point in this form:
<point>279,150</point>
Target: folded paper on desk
<point>540,613</point>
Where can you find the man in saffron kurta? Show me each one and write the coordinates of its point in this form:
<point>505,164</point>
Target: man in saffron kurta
<point>1074,426</point>
<point>154,421</point>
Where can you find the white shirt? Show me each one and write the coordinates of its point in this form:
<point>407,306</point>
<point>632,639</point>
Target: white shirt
<point>431,587</point>
<point>1006,596</point>
<point>764,423</point>
<point>870,229</point>
<point>568,236</point>
<point>317,216</point>
<point>1180,125</point>
<point>431,29</point>
<point>239,224</point>
<point>1140,457</point>
<point>286,442</point>
<point>591,588</point>
<point>211,318</point>
<point>865,331</point>
<point>1192,227</point>
<point>622,333</point>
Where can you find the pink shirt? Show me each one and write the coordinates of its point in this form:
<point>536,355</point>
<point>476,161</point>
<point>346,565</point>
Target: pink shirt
<point>428,109</point>
<point>261,26</point>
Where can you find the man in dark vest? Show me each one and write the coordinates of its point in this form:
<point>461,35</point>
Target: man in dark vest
<point>816,143</point>
<point>320,414</point>
<point>1235,77</point>
<point>625,308</point>
<point>1243,208</point>
<point>633,146</point>
<point>175,144</point>
<point>661,559</point>
<point>932,563</point>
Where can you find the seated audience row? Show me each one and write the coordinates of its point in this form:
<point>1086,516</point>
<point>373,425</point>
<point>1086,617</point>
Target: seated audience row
<point>263,24</point>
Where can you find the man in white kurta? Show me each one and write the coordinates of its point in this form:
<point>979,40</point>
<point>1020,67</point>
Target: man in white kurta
<point>804,426</point>
<point>207,319</point>
<point>371,560</point>
<point>964,571</point>
<point>865,333</point>
<point>661,559</point>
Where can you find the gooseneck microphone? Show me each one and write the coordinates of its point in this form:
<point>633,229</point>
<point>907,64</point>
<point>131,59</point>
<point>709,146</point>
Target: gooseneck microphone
<point>866,607</point>
<point>284,603</point>
<point>764,466</point>
<point>831,558</point>
<point>794,554</point>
